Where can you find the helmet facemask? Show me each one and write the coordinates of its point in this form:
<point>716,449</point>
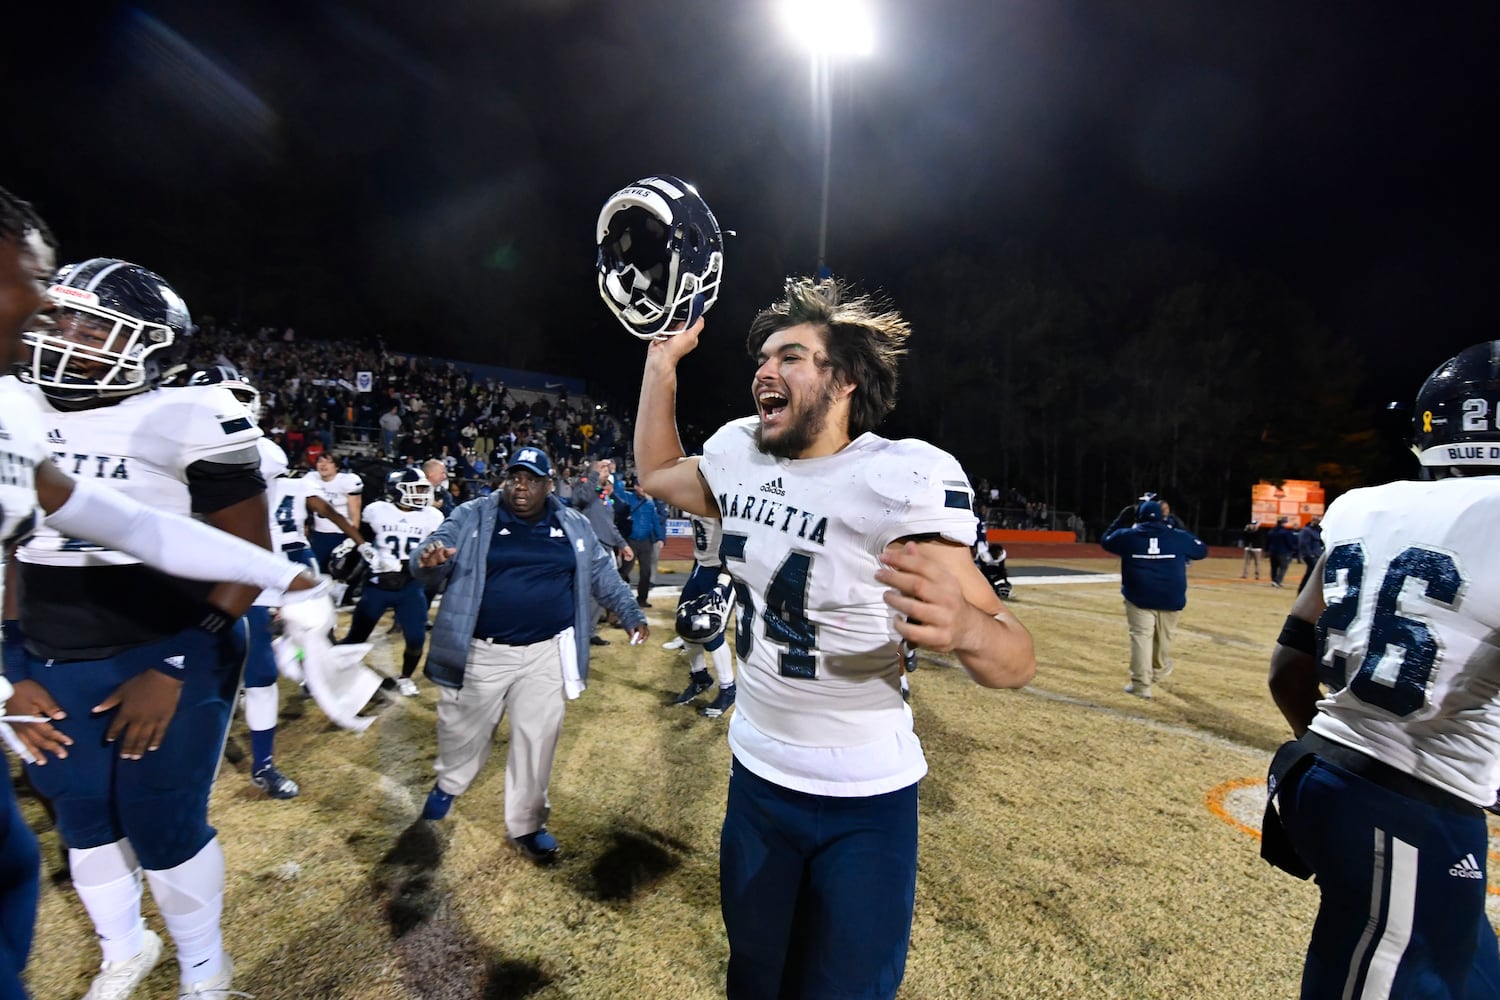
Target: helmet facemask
<point>660,257</point>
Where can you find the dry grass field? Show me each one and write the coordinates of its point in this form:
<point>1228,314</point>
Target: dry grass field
<point>1076,841</point>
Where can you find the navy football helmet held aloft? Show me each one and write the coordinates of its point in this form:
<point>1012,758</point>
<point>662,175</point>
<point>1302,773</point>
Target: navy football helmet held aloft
<point>112,329</point>
<point>1456,419</point>
<point>706,615</point>
<point>660,256</point>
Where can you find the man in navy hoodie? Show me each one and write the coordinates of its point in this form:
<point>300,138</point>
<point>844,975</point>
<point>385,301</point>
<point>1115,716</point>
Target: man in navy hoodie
<point>1153,577</point>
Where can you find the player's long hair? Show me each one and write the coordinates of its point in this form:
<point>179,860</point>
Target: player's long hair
<point>865,338</point>
<point>17,218</point>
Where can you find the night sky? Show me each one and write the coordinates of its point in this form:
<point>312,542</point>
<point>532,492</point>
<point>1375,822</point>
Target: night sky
<point>431,172</point>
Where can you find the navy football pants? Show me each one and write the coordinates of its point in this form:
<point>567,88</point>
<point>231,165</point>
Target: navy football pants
<point>1403,886</point>
<point>817,891</point>
<point>20,884</point>
<point>160,802</point>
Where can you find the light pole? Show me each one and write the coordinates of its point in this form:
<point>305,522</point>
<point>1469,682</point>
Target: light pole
<point>828,28</point>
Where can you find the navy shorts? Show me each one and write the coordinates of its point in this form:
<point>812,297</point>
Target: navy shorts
<point>160,802</point>
<point>20,884</point>
<point>816,891</point>
<point>1402,885</point>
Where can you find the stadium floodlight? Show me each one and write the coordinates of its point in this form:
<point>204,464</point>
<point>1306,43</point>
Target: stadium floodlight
<point>831,27</point>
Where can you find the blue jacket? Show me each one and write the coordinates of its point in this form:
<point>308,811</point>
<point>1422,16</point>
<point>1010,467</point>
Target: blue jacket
<point>645,519</point>
<point>469,529</point>
<point>1153,563</point>
<point>1281,541</point>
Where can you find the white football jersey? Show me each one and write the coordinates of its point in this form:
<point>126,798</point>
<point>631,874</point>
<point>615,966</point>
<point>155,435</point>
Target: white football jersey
<point>286,497</point>
<point>706,534</point>
<point>1406,647</point>
<point>337,492</point>
<point>23,444</point>
<point>399,532</point>
<point>141,446</point>
<point>802,539</point>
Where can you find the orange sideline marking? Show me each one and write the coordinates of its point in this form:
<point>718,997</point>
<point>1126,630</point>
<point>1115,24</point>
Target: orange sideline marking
<point>1214,800</point>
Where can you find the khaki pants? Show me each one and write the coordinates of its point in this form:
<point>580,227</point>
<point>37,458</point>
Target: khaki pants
<point>1150,644</point>
<point>525,681</point>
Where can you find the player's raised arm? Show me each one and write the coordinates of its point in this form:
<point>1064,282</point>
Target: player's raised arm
<point>665,470</point>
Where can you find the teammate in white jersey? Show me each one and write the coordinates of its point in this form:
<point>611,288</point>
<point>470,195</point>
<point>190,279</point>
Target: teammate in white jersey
<point>1389,674</point>
<point>29,481</point>
<point>145,665</point>
<point>841,544</point>
<point>288,504</point>
<point>396,529</point>
<point>702,614</point>
<point>343,491</point>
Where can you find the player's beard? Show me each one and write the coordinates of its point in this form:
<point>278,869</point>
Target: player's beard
<point>801,431</point>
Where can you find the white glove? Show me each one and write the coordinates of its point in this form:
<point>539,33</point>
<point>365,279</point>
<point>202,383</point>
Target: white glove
<point>315,615</point>
<point>367,553</point>
<point>384,562</point>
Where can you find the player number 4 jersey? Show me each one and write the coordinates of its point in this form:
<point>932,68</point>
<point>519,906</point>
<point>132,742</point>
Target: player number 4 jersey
<point>802,539</point>
<point>1407,647</point>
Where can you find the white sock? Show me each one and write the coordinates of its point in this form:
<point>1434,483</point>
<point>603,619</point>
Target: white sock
<point>724,665</point>
<point>261,707</point>
<point>191,899</point>
<point>696,663</point>
<point>108,880</point>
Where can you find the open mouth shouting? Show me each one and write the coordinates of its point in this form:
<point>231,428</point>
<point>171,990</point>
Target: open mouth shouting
<point>773,407</point>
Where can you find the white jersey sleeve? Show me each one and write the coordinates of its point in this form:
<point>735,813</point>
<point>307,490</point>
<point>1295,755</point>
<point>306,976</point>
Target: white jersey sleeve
<point>802,539</point>
<point>23,446</point>
<point>707,531</point>
<point>1406,646</point>
<point>142,446</point>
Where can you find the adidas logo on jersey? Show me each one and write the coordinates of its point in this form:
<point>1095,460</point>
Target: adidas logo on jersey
<point>176,662</point>
<point>774,486</point>
<point>1466,867</point>
<point>55,436</point>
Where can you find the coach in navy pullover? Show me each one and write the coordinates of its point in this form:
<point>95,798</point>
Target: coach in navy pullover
<point>512,637</point>
<point>1153,578</point>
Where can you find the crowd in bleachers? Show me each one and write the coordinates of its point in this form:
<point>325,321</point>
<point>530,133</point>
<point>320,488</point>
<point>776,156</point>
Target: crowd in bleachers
<point>417,409</point>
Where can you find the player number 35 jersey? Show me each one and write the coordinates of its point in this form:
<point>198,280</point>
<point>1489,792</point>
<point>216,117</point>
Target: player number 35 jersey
<point>802,539</point>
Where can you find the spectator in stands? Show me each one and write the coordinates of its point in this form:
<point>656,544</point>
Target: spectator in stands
<point>390,427</point>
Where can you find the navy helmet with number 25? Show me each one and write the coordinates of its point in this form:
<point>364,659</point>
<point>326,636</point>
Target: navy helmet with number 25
<point>1456,420</point>
<point>660,256</point>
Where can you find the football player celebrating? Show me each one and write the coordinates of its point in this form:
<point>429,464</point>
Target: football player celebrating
<point>1381,795</point>
<point>702,613</point>
<point>140,667</point>
<point>397,529</point>
<point>841,544</point>
<point>82,509</point>
<point>288,502</point>
<point>343,492</point>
